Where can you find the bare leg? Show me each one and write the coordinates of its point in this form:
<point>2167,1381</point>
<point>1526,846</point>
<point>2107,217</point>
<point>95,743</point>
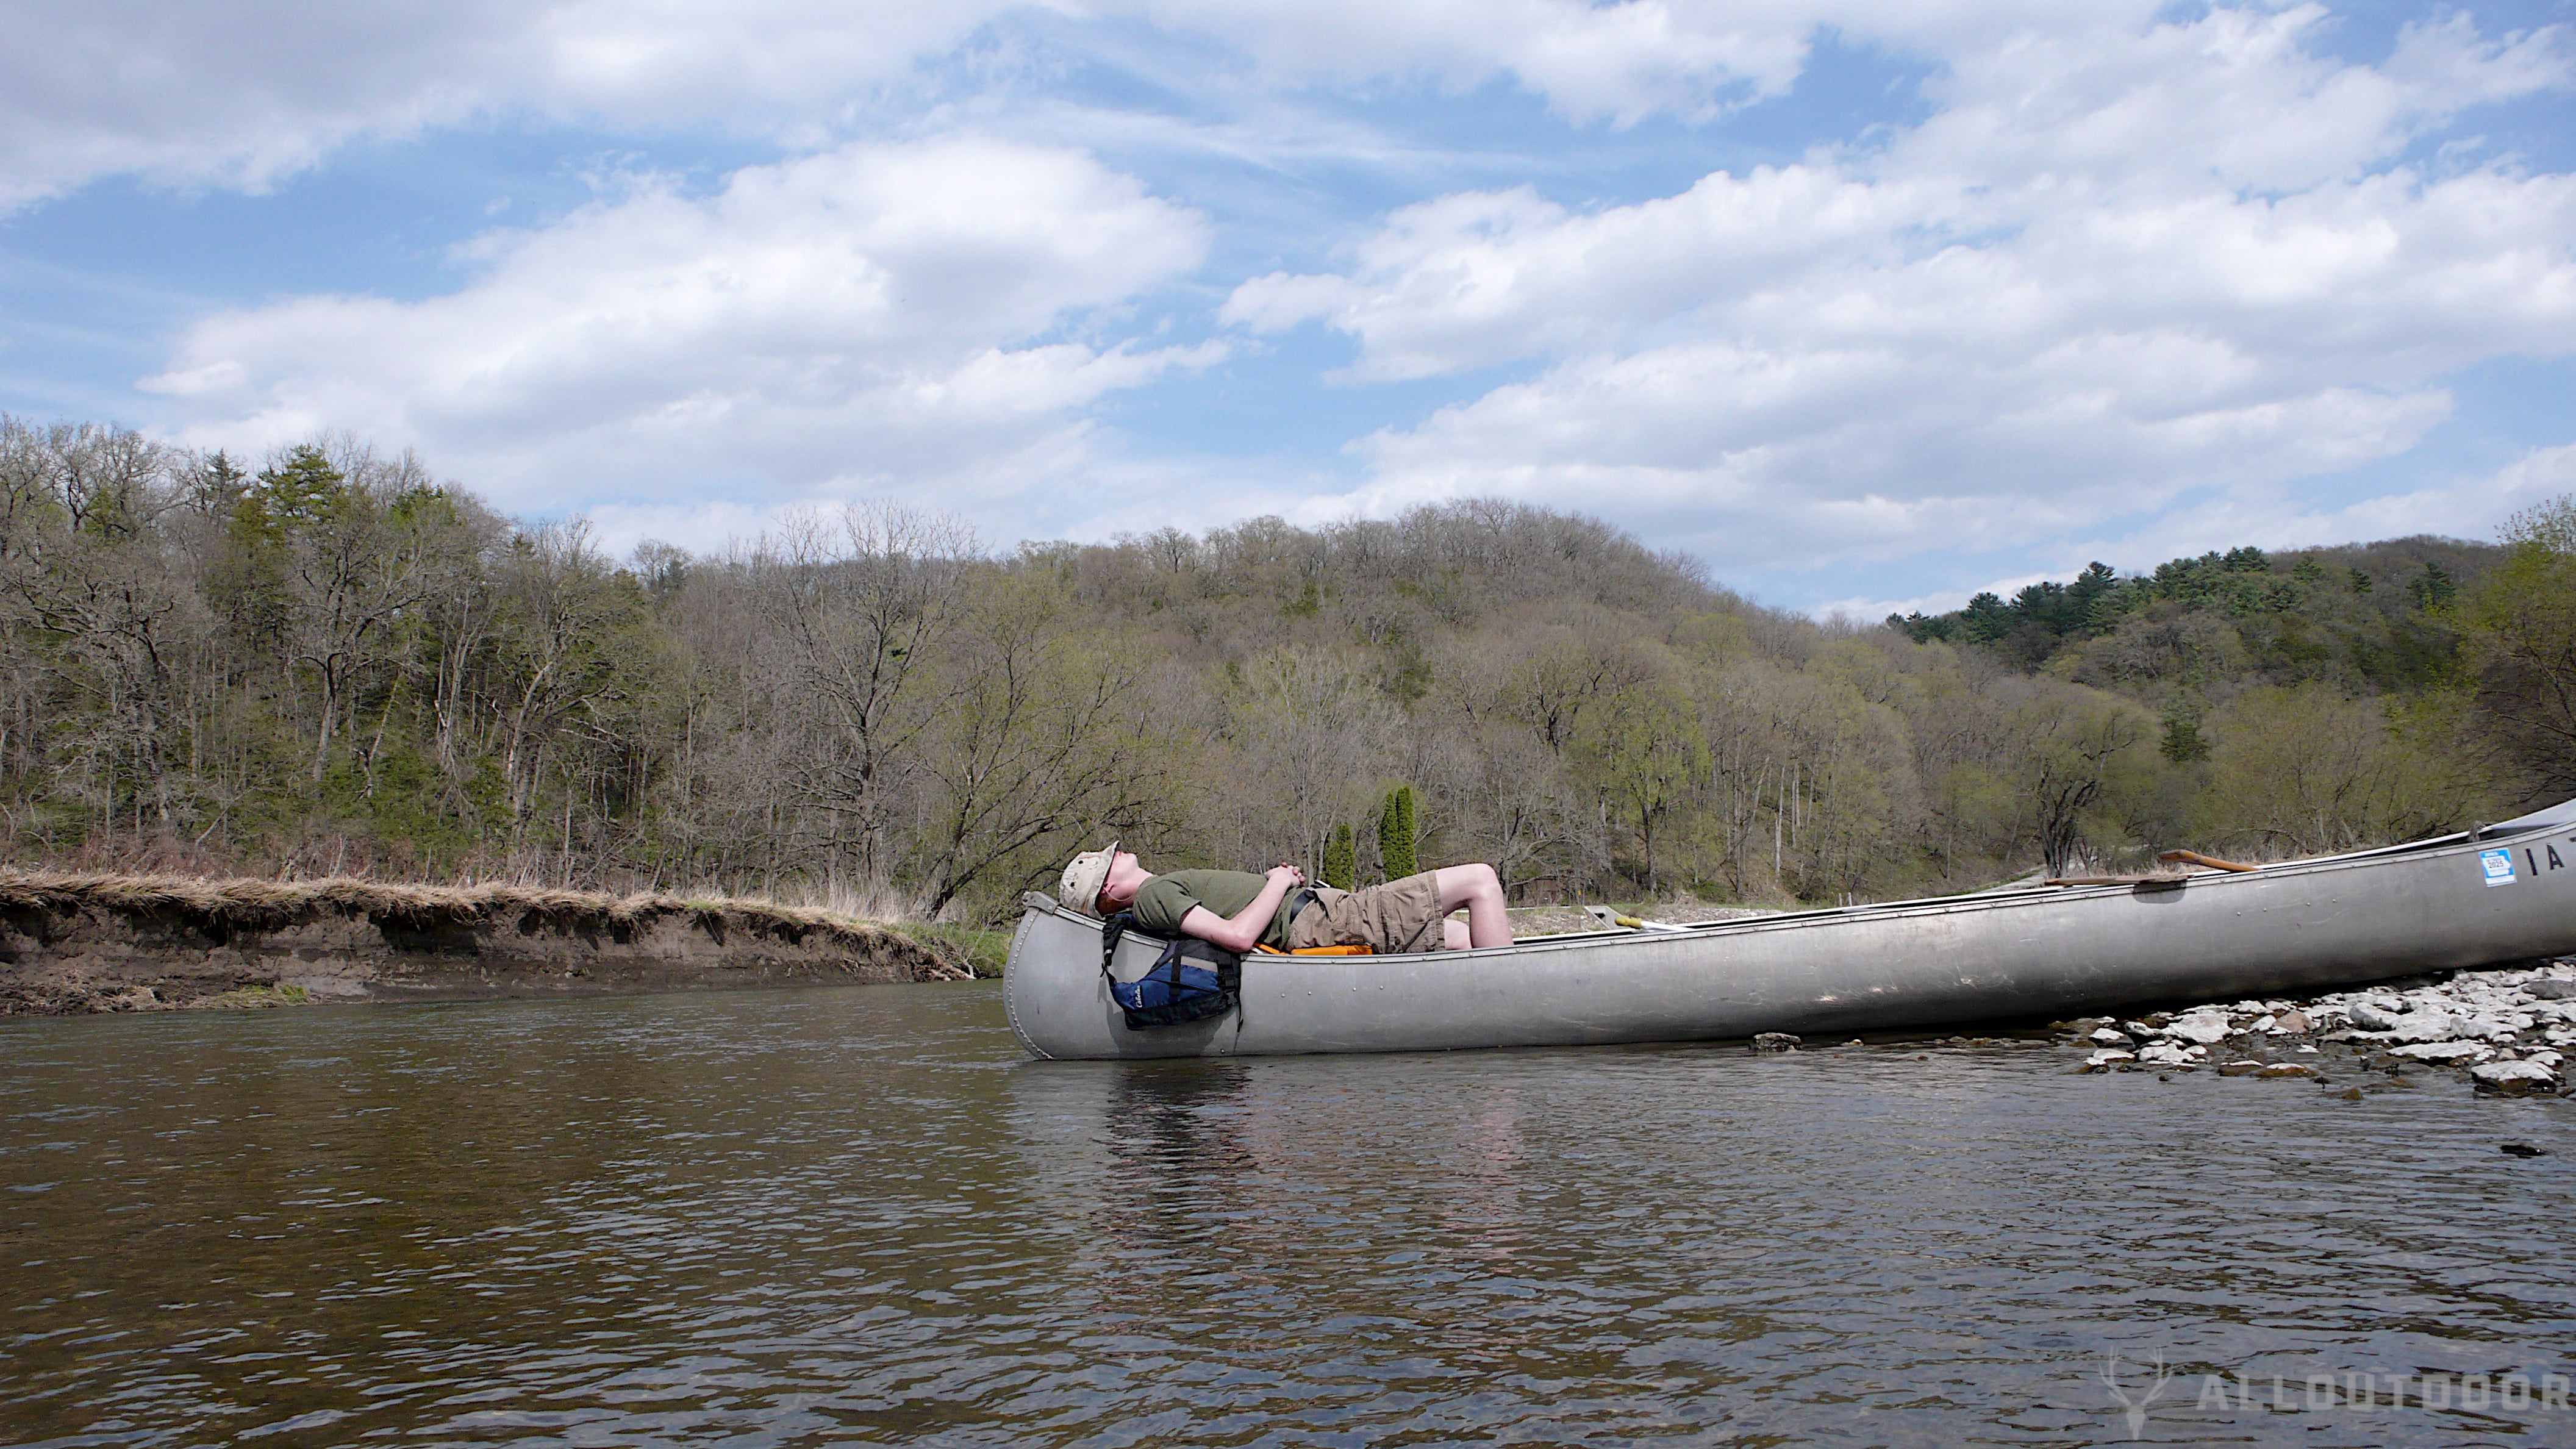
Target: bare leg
<point>1481,891</point>
<point>1453,936</point>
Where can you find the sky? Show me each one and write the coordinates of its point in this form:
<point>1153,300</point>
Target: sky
<point>1870,304</point>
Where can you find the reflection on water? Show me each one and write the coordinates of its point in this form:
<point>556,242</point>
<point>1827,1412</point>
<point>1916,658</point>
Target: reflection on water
<point>858,1215</point>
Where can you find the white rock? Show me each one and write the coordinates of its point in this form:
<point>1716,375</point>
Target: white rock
<point>2369,1017</point>
<point>2109,1038</point>
<point>2104,1059</point>
<point>2514,1074</point>
<point>2303,1046</point>
<point>2164,1054</point>
<point>2426,1025</point>
<point>2546,1059</point>
<point>2443,1051</point>
<point>2201,1029</point>
<point>2265,1022</point>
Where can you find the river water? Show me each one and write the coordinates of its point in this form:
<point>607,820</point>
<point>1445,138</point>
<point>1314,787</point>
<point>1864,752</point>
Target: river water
<point>859,1215</point>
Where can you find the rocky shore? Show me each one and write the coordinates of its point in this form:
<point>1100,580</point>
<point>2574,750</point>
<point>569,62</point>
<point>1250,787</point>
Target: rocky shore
<point>2507,1031</point>
<point>78,943</point>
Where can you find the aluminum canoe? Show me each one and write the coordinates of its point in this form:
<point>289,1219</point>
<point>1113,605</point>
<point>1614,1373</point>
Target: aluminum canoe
<point>2499,893</point>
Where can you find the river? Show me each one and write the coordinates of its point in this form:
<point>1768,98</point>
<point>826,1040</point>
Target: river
<point>857,1215</point>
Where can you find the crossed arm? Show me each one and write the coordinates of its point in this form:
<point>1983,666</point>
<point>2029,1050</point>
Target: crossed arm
<point>1243,930</point>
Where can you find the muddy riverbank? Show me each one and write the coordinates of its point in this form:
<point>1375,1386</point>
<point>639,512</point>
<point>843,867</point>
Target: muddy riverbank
<point>80,943</point>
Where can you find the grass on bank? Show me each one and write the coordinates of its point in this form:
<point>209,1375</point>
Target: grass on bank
<point>253,998</point>
<point>230,906</point>
<point>984,951</point>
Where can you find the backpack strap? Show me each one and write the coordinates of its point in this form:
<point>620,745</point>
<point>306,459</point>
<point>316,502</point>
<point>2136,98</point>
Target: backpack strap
<point>1110,930</point>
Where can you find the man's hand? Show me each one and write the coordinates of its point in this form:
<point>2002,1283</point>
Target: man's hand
<point>1246,927</point>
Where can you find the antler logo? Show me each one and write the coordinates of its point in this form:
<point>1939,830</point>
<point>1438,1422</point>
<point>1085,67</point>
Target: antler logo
<point>2138,1407</point>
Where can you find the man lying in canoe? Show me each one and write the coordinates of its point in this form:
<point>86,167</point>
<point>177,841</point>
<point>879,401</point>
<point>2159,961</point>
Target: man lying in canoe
<point>1237,910</point>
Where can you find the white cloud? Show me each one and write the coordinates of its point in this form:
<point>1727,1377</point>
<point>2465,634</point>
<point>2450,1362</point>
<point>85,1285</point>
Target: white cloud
<point>2132,277</point>
<point>1470,280</point>
<point>2233,97</point>
<point>1616,62</point>
<point>2127,272</point>
<point>240,95</point>
<point>875,318</point>
<point>2276,517</point>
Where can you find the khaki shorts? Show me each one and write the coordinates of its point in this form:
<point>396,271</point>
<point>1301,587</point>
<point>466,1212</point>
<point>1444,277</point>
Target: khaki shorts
<point>1392,919</point>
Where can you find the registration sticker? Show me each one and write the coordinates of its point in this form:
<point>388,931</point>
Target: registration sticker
<point>2498,865</point>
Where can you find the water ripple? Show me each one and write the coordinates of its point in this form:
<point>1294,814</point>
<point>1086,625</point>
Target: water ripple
<point>770,1219</point>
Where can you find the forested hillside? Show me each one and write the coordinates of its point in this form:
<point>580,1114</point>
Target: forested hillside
<point>338,663</point>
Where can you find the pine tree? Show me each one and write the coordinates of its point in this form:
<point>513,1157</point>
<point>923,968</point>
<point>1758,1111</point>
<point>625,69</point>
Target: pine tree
<point>303,489</point>
<point>2182,741</point>
<point>2434,589</point>
<point>1395,833</point>
<point>1341,859</point>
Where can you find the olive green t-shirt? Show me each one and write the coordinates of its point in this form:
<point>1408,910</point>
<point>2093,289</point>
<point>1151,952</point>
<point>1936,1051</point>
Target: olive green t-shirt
<point>1161,902</point>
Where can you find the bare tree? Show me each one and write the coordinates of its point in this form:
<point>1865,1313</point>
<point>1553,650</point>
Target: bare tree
<point>1038,745</point>
<point>567,639</point>
<point>85,565</point>
<point>354,560</point>
<point>853,608</point>
<point>1315,738</point>
<point>1644,749</point>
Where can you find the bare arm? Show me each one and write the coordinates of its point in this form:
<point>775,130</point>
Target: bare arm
<point>1244,930</point>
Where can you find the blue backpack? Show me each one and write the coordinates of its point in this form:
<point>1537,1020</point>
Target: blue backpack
<point>1190,981</point>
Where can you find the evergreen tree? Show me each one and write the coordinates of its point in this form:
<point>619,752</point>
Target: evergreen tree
<point>2182,742</point>
<point>1341,859</point>
<point>304,489</point>
<point>1985,619</point>
<point>2434,589</point>
<point>1395,834</point>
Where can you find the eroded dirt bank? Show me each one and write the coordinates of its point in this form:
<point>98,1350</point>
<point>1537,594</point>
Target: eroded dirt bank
<point>73,943</point>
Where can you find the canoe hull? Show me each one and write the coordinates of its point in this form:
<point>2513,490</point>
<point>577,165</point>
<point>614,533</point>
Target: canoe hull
<point>1905,965</point>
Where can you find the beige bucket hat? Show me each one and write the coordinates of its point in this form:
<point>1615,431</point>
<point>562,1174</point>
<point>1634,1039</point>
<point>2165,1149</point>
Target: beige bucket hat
<point>1083,879</point>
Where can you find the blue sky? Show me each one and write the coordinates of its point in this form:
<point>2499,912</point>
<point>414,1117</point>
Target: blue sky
<point>1869,304</point>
